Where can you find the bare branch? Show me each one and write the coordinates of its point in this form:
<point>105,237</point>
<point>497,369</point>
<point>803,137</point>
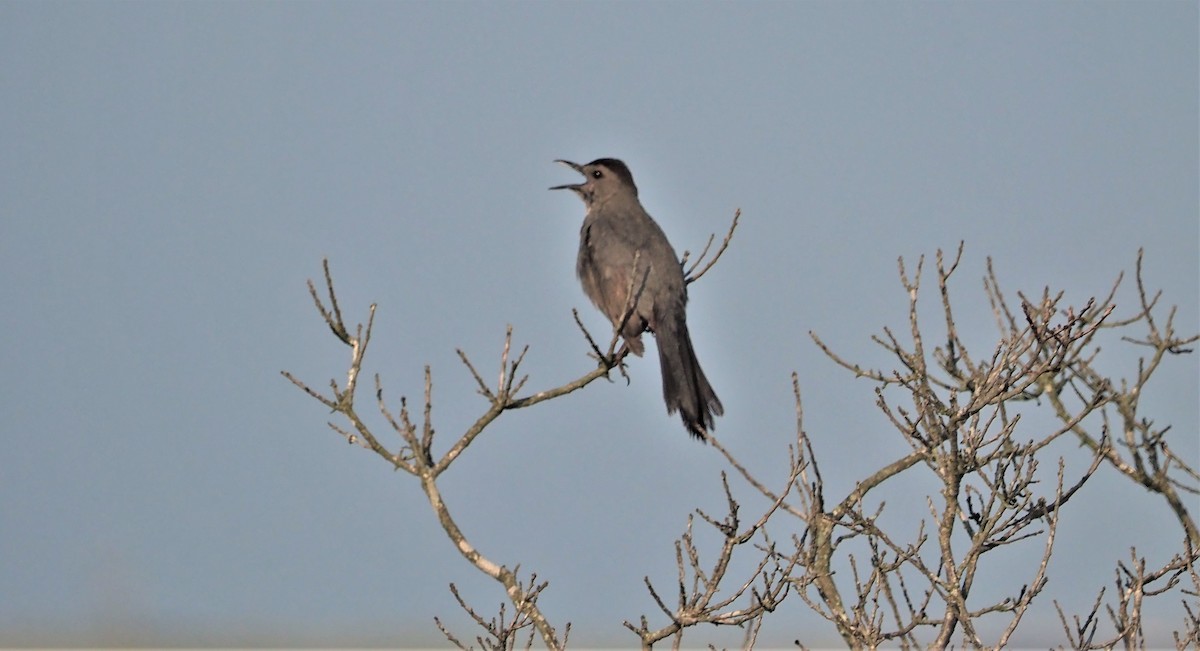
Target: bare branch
<point>691,276</point>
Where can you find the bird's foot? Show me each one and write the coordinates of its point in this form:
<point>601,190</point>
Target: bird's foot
<point>618,362</point>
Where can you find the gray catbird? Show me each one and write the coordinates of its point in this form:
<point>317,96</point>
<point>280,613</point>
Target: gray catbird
<point>622,248</point>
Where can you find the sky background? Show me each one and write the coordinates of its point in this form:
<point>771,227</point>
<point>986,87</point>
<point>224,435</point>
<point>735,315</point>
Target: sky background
<point>172,173</point>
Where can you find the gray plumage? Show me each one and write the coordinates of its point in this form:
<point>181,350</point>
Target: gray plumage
<point>621,247</point>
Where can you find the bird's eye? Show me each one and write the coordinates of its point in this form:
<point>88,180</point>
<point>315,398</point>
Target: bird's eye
<point>596,174</point>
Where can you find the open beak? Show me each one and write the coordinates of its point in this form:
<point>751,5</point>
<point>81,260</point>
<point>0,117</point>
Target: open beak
<point>570,186</point>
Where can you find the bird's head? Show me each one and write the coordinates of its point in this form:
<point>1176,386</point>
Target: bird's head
<point>603,179</point>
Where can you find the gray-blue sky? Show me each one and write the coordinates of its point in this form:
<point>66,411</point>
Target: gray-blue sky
<point>171,173</point>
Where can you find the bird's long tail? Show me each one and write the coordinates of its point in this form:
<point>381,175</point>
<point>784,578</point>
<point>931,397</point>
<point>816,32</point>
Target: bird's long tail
<point>684,386</point>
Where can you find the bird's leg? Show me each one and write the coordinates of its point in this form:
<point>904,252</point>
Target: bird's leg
<point>619,357</point>
<point>612,359</point>
<point>633,294</point>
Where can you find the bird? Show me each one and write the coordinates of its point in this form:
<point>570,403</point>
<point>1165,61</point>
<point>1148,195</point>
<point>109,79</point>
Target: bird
<point>622,250</point>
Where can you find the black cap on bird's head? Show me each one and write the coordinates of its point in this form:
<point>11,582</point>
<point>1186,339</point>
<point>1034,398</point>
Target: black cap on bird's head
<point>602,178</point>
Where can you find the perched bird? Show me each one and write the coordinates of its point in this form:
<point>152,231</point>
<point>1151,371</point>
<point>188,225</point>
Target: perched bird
<point>622,249</point>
